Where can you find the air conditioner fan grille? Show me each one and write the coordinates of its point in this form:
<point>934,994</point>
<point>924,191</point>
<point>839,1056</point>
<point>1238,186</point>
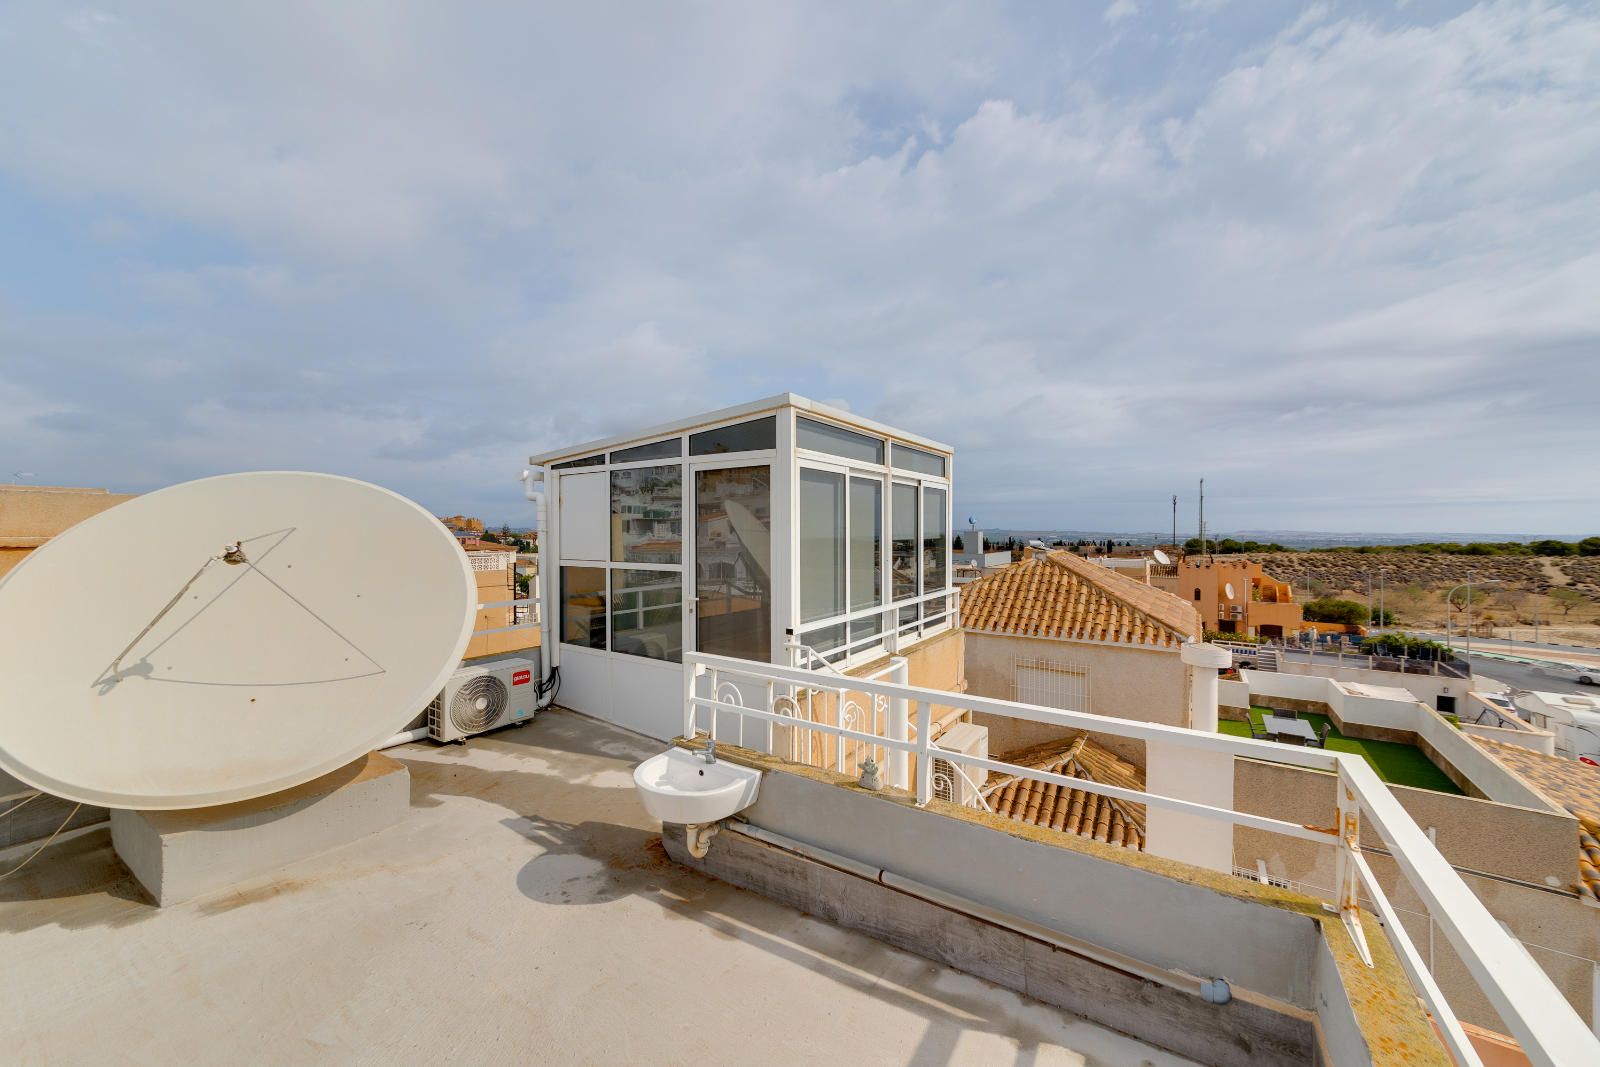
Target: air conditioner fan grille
<point>477,703</point>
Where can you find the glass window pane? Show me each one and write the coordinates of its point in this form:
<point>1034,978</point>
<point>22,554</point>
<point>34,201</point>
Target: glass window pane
<point>933,539</point>
<point>837,441</point>
<point>647,515</point>
<point>861,629</point>
<point>583,606</point>
<point>671,448</point>
<point>647,614</point>
<point>915,459</point>
<point>733,562</point>
<point>866,541</point>
<point>740,437</point>
<point>903,529</point>
<point>821,545</point>
<point>825,639</point>
<point>587,461</point>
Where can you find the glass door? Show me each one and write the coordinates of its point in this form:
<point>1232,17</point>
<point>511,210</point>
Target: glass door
<point>733,561</point>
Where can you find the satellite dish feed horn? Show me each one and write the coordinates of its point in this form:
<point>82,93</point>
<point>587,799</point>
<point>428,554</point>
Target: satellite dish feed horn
<point>338,613</point>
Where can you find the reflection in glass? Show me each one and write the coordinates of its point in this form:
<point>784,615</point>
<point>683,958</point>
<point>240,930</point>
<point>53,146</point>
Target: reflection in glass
<point>907,458</point>
<point>647,614</point>
<point>583,606</point>
<point>733,562</point>
<point>647,514</point>
<point>903,534</point>
<point>933,539</point>
<point>836,440</point>
<point>821,545</point>
<point>866,542</point>
<point>740,437</point>
<point>671,448</point>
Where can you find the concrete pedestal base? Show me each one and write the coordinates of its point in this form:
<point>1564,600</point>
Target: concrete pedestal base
<point>178,855</point>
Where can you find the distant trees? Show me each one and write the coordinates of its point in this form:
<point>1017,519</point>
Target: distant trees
<point>1230,546</point>
<point>1392,644</point>
<point>956,545</point>
<point>1589,546</point>
<point>1333,609</point>
<point>1566,599</point>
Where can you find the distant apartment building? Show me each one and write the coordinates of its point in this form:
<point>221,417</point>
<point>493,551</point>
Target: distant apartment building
<point>971,559</point>
<point>1238,597</point>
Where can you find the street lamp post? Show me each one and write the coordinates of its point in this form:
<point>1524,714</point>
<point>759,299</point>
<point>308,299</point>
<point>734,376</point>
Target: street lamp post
<point>1448,601</point>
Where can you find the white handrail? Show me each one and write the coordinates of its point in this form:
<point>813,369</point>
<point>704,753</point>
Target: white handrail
<point>1550,1032</point>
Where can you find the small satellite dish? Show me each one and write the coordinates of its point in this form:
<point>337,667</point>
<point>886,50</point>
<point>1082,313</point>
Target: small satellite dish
<point>1161,557</point>
<point>1227,590</point>
<point>225,639</point>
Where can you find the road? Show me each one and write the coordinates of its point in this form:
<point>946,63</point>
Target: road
<point>1515,675</point>
<point>1524,676</point>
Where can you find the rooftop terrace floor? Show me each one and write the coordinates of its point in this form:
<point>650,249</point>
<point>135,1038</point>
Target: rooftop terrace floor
<point>523,910</point>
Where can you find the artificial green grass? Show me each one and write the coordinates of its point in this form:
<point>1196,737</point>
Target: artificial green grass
<point>1395,763</point>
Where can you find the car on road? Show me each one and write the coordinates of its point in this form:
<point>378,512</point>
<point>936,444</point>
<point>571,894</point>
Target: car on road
<point>1589,675</point>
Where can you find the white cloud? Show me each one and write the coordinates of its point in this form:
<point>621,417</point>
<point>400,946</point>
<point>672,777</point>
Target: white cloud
<point>1100,267</point>
<point>1121,9</point>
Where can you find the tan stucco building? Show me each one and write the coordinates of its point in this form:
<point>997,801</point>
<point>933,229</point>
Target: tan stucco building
<point>1059,631</point>
<point>1237,596</point>
<point>32,514</point>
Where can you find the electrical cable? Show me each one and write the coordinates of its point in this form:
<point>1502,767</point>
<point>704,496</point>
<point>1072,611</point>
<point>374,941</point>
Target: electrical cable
<point>70,816</point>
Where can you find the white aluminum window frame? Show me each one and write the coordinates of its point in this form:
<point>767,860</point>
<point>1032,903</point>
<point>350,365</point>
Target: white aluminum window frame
<point>854,651</point>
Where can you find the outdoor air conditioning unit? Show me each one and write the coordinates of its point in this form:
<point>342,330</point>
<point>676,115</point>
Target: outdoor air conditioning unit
<point>949,783</point>
<point>481,698</point>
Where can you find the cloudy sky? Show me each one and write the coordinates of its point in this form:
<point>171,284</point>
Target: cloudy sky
<point>1343,261</point>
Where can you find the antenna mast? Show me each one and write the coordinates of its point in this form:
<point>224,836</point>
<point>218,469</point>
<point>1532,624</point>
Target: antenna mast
<point>1202,516</point>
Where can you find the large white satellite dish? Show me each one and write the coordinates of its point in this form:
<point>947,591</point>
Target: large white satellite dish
<point>1227,590</point>
<point>1162,558</point>
<point>150,663</point>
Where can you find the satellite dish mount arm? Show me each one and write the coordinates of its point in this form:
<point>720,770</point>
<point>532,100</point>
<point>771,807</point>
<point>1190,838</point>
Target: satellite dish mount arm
<point>233,554</point>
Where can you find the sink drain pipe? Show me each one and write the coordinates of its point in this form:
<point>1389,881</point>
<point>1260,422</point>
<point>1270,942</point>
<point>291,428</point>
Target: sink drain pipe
<point>1210,990</point>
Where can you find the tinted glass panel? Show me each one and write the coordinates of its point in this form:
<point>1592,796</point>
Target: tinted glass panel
<point>915,459</point>
<point>583,606</point>
<point>647,514</point>
<point>733,562</point>
<point>740,437</point>
<point>903,527</point>
<point>821,545</point>
<point>669,449</point>
<point>933,539</point>
<point>836,441</point>
<point>866,541</point>
<point>647,614</point>
<point>587,461</point>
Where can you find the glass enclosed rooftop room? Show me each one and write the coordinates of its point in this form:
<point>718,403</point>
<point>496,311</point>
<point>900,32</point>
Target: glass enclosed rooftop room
<point>742,532</point>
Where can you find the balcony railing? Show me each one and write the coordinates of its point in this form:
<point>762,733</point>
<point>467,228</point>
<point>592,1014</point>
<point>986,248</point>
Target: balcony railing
<point>1550,1032</point>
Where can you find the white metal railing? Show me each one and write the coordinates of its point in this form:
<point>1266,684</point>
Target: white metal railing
<point>932,611</point>
<point>1525,999</point>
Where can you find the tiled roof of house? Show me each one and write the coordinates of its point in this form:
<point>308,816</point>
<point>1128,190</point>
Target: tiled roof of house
<point>1072,811</point>
<point>1573,785</point>
<point>1060,595</point>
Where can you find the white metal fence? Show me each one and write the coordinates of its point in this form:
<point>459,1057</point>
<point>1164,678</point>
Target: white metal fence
<point>1550,1032</point>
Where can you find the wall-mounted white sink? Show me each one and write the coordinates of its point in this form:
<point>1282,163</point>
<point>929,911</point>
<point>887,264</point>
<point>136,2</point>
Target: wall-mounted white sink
<point>679,786</point>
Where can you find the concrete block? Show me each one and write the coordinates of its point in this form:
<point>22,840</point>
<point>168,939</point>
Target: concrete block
<point>179,855</point>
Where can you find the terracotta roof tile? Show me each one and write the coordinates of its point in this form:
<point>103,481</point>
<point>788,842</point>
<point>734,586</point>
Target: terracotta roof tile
<point>1573,785</point>
<point>1060,595</point>
<point>1072,811</point>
